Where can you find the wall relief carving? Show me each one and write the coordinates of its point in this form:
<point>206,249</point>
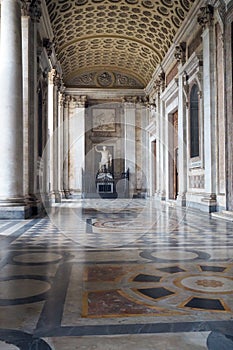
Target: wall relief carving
<point>105,79</point>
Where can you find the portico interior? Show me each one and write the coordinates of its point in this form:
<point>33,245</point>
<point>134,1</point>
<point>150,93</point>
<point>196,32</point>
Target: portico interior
<point>151,81</point>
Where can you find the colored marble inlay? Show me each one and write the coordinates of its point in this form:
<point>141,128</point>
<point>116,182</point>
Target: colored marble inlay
<point>205,304</point>
<point>103,273</point>
<point>147,278</point>
<point>156,293</point>
<point>212,268</point>
<point>171,269</point>
<point>114,303</point>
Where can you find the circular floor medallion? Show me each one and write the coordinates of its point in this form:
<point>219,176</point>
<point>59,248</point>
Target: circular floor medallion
<point>174,255</point>
<point>22,288</point>
<point>37,258</point>
<point>208,284</point>
<point>5,346</point>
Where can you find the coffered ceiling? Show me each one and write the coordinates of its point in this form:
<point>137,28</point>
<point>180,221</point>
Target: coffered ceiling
<point>113,43</point>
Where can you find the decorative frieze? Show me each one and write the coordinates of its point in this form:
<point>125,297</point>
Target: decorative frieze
<point>205,16</point>
<point>105,79</point>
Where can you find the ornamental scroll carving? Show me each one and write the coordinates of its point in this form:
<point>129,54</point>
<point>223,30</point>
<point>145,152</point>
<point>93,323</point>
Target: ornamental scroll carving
<point>105,79</point>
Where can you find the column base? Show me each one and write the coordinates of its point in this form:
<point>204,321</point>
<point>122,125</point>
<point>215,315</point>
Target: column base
<point>203,201</point>
<point>160,195</point>
<point>36,205</point>
<point>56,197</point>
<point>15,212</point>
<point>181,200</point>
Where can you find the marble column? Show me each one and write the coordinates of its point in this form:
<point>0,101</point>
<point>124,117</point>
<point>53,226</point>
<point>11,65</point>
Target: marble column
<point>130,144</point>
<point>66,146</point>
<point>229,107</point>
<point>56,139</point>
<point>61,143</point>
<point>182,139</point>
<point>142,150</point>
<point>76,144</point>
<point>158,145</point>
<point>30,18</point>
<point>11,112</point>
<point>162,151</point>
<point>205,19</point>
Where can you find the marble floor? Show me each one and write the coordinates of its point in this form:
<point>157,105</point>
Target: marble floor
<point>116,274</point>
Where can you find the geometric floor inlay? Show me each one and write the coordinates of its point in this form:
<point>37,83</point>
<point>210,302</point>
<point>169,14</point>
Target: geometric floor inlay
<point>212,268</point>
<point>208,284</point>
<point>205,304</point>
<point>81,277</point>
<point>115,303</point>
<point>155,293</point>
<point>147,278</point>
<point>171,269</point>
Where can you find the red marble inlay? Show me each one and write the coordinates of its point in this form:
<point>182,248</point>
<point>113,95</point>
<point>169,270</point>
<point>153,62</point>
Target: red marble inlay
<point>103,273</point>
<point>109,303</point>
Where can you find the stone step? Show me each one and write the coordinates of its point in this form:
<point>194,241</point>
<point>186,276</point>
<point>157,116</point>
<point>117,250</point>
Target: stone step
<point>224,215</point>
<point>228,212</point>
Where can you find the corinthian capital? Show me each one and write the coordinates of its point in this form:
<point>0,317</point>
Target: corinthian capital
<point>81,101</point>
<point>180,52</point>
<point>205,16</point>
<point>31,9</point>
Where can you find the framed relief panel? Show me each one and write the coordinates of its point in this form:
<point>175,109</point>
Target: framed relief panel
<point>104,119</point>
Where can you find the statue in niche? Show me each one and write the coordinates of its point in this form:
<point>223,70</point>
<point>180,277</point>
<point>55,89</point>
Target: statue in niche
<point>106,159</point>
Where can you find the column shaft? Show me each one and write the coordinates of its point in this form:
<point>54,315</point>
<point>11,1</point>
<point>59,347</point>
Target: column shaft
<point>130,145</point>
<point>11,116</point>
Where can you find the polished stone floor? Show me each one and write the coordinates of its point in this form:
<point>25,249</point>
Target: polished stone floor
<point>116,274</point>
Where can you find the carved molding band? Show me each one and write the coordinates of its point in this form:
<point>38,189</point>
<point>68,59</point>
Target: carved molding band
<point>105,79</point>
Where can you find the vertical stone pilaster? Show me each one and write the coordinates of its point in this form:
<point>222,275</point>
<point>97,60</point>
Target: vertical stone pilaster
<point>160,140</point>
<point>130,144</point>
<point>61,143</point>
<point>229,106</point>
<point>182,140</point>
<point>76,144</point>
<point>56,139</point>
<point>162,151</point>
<point>144,150</point>
<point>11,113</point>
<point>30,18</point>
<point>157,157</point>
<point>66,146</point>
<point>205,19</point>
